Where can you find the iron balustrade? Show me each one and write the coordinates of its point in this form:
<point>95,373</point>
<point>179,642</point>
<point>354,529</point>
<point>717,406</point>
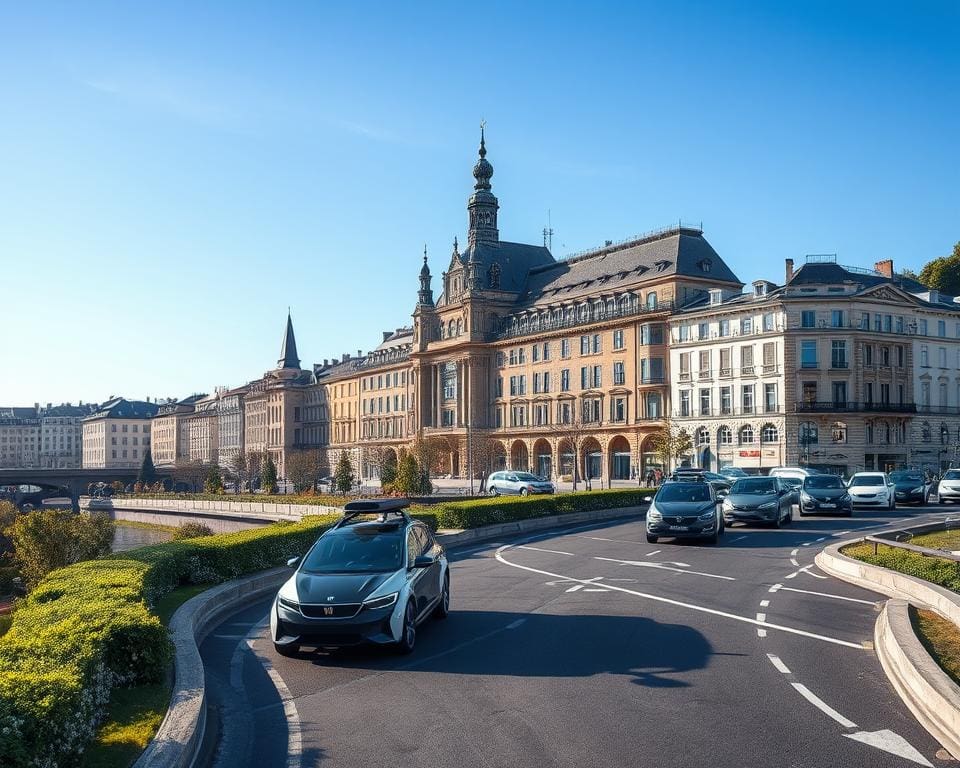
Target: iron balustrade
<point>512,328</point>
<point>830,406</point>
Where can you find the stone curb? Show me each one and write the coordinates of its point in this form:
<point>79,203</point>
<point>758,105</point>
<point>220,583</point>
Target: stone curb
<point>180,735</point>
<point>926,689</point>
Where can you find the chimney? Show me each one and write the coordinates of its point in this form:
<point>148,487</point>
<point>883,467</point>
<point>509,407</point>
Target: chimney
<point>346,356</point>
<point>789,270</point>
<point>885,268</point>
<point>359,353</point>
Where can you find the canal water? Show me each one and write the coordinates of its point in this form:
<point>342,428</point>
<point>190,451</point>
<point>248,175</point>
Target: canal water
<point>128,537</point>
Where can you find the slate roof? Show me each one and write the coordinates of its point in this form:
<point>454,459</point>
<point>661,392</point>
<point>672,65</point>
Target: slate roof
<point>681,251</point>
<point>121,408</point>
<point>829,273</point>
<point>14,412</point>
<point>288,352</point>
<point>515,260</point>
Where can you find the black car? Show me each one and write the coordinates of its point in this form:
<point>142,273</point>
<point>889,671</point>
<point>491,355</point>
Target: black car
<point>684,510</point>
<point>910,487</point>
<point>759,500</point>
<point>363,582</point>
<point>825,493</point>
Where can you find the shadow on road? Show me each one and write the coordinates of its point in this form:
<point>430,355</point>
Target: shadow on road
<point>654,654</point>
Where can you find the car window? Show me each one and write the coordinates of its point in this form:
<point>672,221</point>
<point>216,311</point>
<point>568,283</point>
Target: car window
<point>823,481</point>
<point>952,474</point>
<point>352,552</point>
<point>906,477</point>
<point>526,476</point>
<point>414,545</point>
<point>867,480</point>
<point>681,492</point>
<point>758,485</point>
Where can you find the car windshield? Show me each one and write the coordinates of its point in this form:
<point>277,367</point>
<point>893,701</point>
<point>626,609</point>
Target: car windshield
<point>525,476</point>
<point>953,474</point>
<point>823,481</point>
<point>353,552</point>
<point>906,477</point>
<point>867,480</point>
<point>757,485</point>
<point>684,492</point>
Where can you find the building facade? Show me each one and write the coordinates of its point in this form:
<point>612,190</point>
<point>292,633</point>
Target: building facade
<point>117,434</point>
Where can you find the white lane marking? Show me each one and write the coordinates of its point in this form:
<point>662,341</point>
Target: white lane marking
<point>822,538</point>
<point>793,552</point>
<point>781,667</point>
<point>823,706</point>
<point>806,544</point>
<point>294,729</point>
<point>764,603</point>
<point>888,741</point>
<point>515,624</point>
<point>774,588</point>
<point>550,551</point>
<point>827,594</point>
<point>739,538</point>
<point>575,588</point>
<point>615,541</point>
<point>680,603</point>
<point>655,552</point>
<point>761,633</point>
<point>761,617</point>
<point>663,567</point>
<point>794,563</point>
<point>594,590</point>
<point>806,570</point>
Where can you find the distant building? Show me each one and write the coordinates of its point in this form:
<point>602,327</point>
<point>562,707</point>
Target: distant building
<point>20,437</point>
<point>37,437</point>
<point>230,424</point>
<point>117,434</point>
<point>200,432</point>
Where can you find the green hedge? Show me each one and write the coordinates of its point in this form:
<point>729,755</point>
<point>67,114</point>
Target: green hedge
<point>88,627</point>
<point>946,573</point>
<point>478,512</point>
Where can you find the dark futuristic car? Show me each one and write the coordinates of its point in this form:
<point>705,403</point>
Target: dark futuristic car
<point>363,582</point>
<point>910,487</point>
<point>825,493</point>
<point>759,500</point>
<point>684,509</point>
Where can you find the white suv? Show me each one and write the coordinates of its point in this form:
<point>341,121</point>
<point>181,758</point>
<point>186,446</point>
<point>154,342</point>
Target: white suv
<point>948,488</point>
<point>873,489</point>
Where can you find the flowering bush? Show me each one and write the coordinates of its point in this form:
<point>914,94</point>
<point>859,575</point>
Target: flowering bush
<point>88,627</point>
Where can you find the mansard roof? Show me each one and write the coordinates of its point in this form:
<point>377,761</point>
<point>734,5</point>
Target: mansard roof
<point>121,408</point>
<point>515,262</point>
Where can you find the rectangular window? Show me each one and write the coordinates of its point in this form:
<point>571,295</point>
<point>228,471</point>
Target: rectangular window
<point>924,356</point>
<point>499,388</point>
<point>704,364</point>
<point>941,328</point>
<point>565,380</point>
<point>618,409</point>
<point>564,348</point>
<point>839,389</point>
<point>900,357</point>
<point>877,322</point>
<point>653,405</point>
<point>585,377</point>
<point>865,321</point>
<point>514,391</point>
<point>546,381</point>
<point>535,353</point>
<point>746,360</point>
<point>770,357</point>
<point>836,318</point>
<point>808,319</point>
<point>546,350</point>
<point>584,345</point>
<point>651,370</point>
<point>685,402</point>
<point>747,395</point>
<point>885,393</point>
<point>703,330</point>
<point>619,375</point>
<point>704,402</point>
<point>868,354</point>
<point>899,324</point>
<point>596,345</point>
<point>651,334</point>
<point>746,325</point>
<point>618,339</point>
<point>726,401</point>
<point>925,394</point>
<point>838,353</point>
<point>809,392</point>
<point>922,327</point>
<point>536,382</point>
<point>563,412</point>
<point>513,357</point>
<point>808,353</point>
<point>887,323</point>
<point>770,398</point>
<point>724,327</point>
<point>725,362</point>
<point>522,355</point>
<point>523,385</point>
<point>684,333</point>
<point>597,375</point>
<point>942,354</point>
<point>868,393</point>
<point>768,321</point>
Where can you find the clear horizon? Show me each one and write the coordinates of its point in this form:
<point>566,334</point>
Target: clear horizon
<point>176,178</point>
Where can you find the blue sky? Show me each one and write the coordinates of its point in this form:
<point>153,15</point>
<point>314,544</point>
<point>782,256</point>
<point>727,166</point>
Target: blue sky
<point>174,175</point>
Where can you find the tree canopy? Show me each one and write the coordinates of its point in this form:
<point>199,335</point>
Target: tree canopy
<point>943,274</point>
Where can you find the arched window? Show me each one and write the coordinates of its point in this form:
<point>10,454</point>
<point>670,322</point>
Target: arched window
<point>724,436</point>
<point>770,434</point>
<point>746,435</point>
<point>925,434</point>
<point>625,304</point>
<point>808,434</point>
<point>612,306</point>
<point>450,329</point>
<point>702,436</point>
<point>838,432</point>
<point>459,326</point>
<point>443,331</point>
<point>651,300</point>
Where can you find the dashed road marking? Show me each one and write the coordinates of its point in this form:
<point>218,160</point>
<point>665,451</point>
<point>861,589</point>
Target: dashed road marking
<point>781,667</point>
<point>655,552</point>
<point>827,594</point>
<point>775,587</point>
<point>515,624</point>
<point>739,538</point>
<point>764,603</point>
<point>761,617</point>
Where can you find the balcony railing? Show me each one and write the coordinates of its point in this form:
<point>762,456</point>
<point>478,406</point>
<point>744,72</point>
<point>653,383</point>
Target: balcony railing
<point>693,413</point>
<point>829,406</point>
<point>945,409</point>
<point>684,376</point>
<point>655,379</point>
<point>839,364</point>
<point>705,375</point>
<point>515,326</point>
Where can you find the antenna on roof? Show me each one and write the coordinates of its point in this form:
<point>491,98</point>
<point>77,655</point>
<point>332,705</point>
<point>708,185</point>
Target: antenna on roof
<point>548,234</point>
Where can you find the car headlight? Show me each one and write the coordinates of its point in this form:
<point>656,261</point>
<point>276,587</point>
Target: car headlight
<point>804,496</point>
<point>727,505</point>
<point>707,516</point>
<point>293,605</point>
<point>768,505</point>
<point>654,515</point>
<point>917,490</point>
<point>380,602</point>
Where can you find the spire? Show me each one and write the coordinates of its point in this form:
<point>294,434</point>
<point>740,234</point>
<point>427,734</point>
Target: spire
<point>482,205</point>
<point>425,295</point>
<point>288,352</point>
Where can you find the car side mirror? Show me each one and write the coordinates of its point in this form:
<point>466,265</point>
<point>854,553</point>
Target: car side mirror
<point>424,561</point>
<point>292,562</point>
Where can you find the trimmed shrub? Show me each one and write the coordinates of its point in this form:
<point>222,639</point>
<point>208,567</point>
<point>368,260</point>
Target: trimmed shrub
<point>477,512</point>
<point>946,573</point>
<point>88,627</point>
<point>191,531</point>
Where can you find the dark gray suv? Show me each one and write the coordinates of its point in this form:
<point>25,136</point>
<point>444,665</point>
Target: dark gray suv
<point>684,510</point>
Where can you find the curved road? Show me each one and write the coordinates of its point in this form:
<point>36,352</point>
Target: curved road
<point>590,647</point>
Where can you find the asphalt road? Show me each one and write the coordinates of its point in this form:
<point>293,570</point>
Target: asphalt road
<point>591,647</point>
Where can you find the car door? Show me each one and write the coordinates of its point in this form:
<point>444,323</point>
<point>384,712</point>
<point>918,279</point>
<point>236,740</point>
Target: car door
<point>417,577</point>
<point>432,579</point>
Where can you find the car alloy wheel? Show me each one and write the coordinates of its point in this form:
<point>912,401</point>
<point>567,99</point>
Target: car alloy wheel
<point>524,492</point>
<point>443,607</point>
<point>494,491</point>
<point>408,638</point>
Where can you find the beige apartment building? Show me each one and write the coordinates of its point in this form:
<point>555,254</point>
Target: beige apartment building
<point>117,434</point>
<point>20,438</point>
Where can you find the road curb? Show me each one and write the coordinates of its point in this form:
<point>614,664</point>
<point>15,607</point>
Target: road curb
<point>180,735</point>
<point>926,689</point>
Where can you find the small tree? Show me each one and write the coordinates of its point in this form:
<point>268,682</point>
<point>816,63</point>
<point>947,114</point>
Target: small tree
<point>148,473</point>
<point>213,483</point>
<point>482,451</point>
<point>269,476</point>
<point>238,470</point>
<point>572,432</point>
<point>670,444</point>
<point>256,463</point>
<point>44,540</point>
<point>303,469</point>
<point>412,479</point>
<point>343,476</point>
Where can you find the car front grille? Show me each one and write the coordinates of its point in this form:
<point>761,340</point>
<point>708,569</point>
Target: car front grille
<point>679,520</point>
<point>332,611</point>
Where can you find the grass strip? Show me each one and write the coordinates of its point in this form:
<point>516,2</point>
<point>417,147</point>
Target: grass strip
<point>945,573</point>
<point>947,540</point>
<point>940,637</point>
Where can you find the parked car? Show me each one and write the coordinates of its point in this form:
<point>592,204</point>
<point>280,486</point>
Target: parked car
<point>684,509</point>
<point>872,489</point>
<point>910,486</point>
<point>948,489</point>
<point>513,483</point>
<point>825,493</point>
<point>363,582</point>
<point>795,472</point>
<point>759,500</point>
<point>733,472</point>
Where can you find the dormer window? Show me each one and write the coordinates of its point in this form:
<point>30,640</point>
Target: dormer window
<point>716,296</point>
<point>705,265</point>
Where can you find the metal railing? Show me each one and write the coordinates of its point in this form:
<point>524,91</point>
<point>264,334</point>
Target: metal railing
<point>830,406</point>
<point>510,329</point>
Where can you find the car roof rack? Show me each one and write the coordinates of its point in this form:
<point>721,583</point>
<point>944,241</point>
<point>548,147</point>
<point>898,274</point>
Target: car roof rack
<point>381,507</point>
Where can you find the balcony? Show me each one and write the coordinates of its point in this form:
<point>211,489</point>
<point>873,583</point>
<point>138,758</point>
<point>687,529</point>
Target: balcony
<point>705,375</point>
<point>726,373</point>
<point>683,376</point>
<point>839,364</point>
<point>829,406</point>
<point>518,325</point>
<point>656,379</point>
<point>944,409</point>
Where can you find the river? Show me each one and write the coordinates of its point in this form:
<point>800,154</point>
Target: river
<point>130,537</point>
